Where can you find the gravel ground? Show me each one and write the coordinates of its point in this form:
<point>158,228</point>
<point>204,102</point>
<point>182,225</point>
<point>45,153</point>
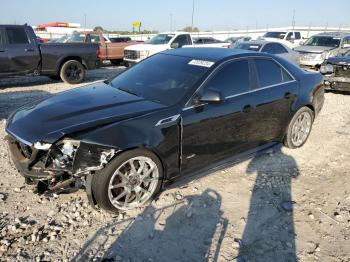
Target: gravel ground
<point>282,205</point>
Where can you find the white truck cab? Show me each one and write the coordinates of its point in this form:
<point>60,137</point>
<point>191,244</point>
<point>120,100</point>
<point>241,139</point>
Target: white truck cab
<point>289,38</point>
<point>135,53</point>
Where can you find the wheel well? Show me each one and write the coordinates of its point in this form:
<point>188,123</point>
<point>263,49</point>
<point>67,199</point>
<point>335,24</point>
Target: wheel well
<point>77,58</point>
<point>311,107</point>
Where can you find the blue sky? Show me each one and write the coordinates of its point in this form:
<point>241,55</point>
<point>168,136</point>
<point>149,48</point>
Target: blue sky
<point>155,14</point>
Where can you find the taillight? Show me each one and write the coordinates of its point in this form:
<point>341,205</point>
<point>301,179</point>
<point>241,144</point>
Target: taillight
<point>229,46</point>
<point>98,52</point>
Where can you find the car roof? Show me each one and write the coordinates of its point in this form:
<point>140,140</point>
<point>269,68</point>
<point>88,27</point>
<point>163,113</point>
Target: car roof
<point>334,34</point>
<point>207,53</point>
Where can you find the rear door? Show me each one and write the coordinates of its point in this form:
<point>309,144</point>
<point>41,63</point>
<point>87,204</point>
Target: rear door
<point>275,92</point>
<point>23,51</point>
<point>4,60</point>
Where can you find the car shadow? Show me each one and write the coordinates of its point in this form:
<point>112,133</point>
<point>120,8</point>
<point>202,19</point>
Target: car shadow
<point>193,231</point>
<point>10,101</point>
<point>269,233</point>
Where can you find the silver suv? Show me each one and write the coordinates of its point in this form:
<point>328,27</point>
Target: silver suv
<point>322,46</point>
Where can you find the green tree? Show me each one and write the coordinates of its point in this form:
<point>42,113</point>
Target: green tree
<point>99,29</point>
<point>190,29</point>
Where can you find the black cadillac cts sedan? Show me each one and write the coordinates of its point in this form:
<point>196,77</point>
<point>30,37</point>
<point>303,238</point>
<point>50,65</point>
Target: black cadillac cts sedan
<point>170,115</point>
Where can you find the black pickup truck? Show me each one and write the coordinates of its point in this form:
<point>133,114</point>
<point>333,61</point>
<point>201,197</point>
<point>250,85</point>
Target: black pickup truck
<point>21,53</point>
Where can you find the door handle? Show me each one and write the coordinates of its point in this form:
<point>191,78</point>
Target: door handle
<point>29,50</point>
<point>288,95</point>
<point>247,109</point>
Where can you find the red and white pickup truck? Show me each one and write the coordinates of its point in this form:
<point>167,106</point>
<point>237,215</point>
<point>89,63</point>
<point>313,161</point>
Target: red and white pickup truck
<point>109,50</point>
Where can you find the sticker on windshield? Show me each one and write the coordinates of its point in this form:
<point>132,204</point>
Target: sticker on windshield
<point>201,63</point>
<point>254,46</point>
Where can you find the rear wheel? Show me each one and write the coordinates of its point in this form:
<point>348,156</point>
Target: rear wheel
<point>117,62</point>
<point>72,72</point>
<point>128,181</point>
<point>299,128</point>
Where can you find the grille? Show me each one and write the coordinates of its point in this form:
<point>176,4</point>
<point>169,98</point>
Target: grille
<point>130,54</point>
<point>342,70</point>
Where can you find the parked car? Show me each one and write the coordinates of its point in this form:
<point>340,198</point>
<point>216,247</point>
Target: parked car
<point>273,48</point>
<point>136,53</point>
<point>235,39</point>
<point>322,46</point>
<point>173,114</point>
<point>21,53</point>
<point>109,50</point>
<point>336,71</point>
<point>289,38</point>
<point>42,40</point>
<point>200,41</point>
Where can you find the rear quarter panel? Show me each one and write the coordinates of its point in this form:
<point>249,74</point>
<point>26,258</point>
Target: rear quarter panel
<point>115,51</point>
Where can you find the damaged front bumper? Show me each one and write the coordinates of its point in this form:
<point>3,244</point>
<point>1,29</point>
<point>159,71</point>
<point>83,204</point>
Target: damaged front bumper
<point>337,83</point>
<point>66,159</point>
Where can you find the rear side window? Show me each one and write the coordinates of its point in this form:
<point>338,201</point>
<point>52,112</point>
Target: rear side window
<point>274,48</point>
<point>182,40</point>
<point>270,73</point>
<point>289,36</point>
<point>297,35</point>
<point>232,79</point>
<point>17,36</point>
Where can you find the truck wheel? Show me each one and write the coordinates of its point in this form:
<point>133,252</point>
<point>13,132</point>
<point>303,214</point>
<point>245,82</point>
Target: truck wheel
<point>299,128</point>
<point>126,64</point>
<point>128,181</point>
<point>72,72</point>
<point>117,62</point>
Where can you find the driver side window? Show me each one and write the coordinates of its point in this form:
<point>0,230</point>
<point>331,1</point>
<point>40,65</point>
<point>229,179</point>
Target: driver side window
<point>231,79</point>
<point>181,40</point>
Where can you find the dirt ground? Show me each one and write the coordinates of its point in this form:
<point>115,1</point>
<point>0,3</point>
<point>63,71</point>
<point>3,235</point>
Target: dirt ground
<point>281,205</point>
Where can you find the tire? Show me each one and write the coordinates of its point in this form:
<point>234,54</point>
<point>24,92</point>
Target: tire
<point>117,62</point>
<point>55,77</point>
<point>126,64</point>
<point>72,72</point>
<point>299,128</point>
<point>130,187</point>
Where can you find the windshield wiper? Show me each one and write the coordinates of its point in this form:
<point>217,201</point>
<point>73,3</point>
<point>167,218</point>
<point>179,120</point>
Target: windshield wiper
<point>125,89</point>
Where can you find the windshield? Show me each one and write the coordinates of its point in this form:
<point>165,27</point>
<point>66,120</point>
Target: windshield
<point>74,38</point>
<point>162,78</point>
<point>323,41</point>
<point>160,39</point>
<point>248,46</point>
<point>279,35</point>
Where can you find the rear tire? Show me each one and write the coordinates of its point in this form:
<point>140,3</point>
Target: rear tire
<point>117,62</point>
<point>299,128</point>
<point>72,72</point>
<point>128,181</point>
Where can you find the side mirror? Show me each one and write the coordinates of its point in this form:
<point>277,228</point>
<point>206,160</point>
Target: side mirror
<point>211,96</point>
<point>174,45</point>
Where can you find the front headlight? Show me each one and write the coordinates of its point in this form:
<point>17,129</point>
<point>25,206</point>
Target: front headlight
<point>42,146</point>
<point>326,69</point>
<point>64,153</point>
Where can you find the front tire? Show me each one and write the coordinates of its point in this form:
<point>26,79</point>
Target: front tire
<point>128,181</point>
<point>72,72</point>
<point>299,128</point>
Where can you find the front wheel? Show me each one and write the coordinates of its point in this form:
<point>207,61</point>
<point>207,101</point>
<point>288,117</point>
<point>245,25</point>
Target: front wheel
<point>128,181</point>
<point>72,72</point>
<point>299,128</point>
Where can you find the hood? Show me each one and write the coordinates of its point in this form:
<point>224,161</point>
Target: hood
<point>75,110</point>
<point>313,49</point>
<point>148,47</point>
<point>339,60</point>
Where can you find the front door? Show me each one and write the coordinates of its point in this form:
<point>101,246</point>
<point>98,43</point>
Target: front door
<point>4,60</point>
<point>213,131</point>
<point>23,52</point>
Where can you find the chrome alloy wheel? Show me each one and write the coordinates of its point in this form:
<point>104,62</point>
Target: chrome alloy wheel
<point>133,183</point>
<point>301,128</point>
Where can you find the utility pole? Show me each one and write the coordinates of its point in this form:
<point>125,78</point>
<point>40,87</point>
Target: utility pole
<point>84,22</point>
<point>192,15</point>
<point>293,20</point>
<point>171,22</point>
